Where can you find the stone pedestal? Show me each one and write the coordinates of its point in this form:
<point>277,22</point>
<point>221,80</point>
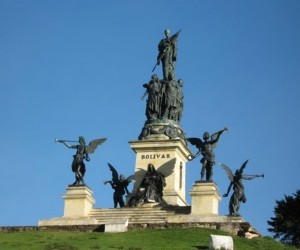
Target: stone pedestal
<point>169,157</point>
<point>205,198</point>
<point>78,201</point>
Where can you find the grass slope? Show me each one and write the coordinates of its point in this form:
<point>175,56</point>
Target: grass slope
<point>189,238</point>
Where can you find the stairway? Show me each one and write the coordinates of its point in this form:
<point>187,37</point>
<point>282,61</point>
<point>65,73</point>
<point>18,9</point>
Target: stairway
<point>139,215</point>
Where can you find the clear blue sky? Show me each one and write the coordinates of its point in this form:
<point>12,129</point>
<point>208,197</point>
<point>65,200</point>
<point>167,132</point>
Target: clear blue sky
<point>72,68</point>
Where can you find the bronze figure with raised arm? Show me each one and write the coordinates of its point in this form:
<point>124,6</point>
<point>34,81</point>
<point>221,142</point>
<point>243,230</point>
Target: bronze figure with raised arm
<point>82,153</point>
<point>206,149</point>
<point>236,183</point>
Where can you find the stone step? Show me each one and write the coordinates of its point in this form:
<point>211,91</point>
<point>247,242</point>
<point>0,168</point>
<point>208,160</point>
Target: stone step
<point>138,215</point>
<point>131,216</point>
<point>121,212</point>
<point>170,209</point>
<point>137,221</point>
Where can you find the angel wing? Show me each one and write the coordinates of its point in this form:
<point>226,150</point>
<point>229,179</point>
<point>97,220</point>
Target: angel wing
<point>141,172</point>
<point>115,175</point>
<point>243,166</point>
<point>139,176</point>
<point>196,142</point>
<point>94,144</point>
<point>130,178</point>
<point>228,171</point>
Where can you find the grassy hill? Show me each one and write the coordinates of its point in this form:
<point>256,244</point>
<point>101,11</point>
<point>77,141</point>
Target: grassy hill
<point>188,238</point>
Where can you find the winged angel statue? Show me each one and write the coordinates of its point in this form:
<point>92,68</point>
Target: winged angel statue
<point>119,184</point>
<point>152,185</point>
<point>82,153</point>
<point>238,195</point>
<point>206,148</point>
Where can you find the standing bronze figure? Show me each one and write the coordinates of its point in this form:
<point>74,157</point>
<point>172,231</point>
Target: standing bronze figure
<point>82,153</point>
<point>238,195</point>
<point>167,48</point>
<point>206,149</point>
<point>173,100</point>
<point>119,184</point>
<point>154,100</point>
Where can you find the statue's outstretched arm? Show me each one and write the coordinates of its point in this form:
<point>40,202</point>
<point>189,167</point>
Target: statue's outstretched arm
<point>68,145</point>
<point>216,136</point>
<point>198,153</point>
<point>251,177</point>
<point>228,190</point>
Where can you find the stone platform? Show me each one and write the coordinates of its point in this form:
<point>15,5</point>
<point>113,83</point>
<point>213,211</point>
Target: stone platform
<point>155,217</point>
<point>79,213</point>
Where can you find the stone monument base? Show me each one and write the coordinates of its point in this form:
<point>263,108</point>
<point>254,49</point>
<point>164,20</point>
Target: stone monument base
<point>205,198</point>
<point>78,204</point>
<point>79,214</point>
<point>169,157</point>
<point>78,201</point>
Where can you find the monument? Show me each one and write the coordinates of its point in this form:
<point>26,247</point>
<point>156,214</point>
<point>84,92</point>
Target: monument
<point>161,152</point>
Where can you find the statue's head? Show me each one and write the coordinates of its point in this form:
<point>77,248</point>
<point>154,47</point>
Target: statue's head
<point>238,173</point>
<point>122,177</point>
<point>151,168</point>
<point>206,136</point>
<point>154,77</point>
<point>167,33</point>
<point>180,82</point>
<point>81,140</point>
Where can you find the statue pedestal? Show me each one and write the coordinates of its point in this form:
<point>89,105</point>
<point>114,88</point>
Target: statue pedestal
<point>78,201</point>
<point>78,205</point>
<point>169,157</point>
<point>205,198</point>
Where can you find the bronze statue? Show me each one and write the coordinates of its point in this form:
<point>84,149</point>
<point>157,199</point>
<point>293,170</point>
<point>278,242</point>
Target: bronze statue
<point>173,100</point>
<point>167,48</point>
<point>119,184</point>
<point>82,153</point>
<point>179,96</point>
<point>154,100</point>
<point>150,189</point>
<point>238,195</point>
<point>206,149</point>
<point>165,99</point>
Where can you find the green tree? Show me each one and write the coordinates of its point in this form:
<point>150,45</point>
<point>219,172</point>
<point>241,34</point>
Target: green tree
<point>286,223</point>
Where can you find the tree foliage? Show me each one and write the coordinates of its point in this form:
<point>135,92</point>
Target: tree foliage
<point>286,223</point>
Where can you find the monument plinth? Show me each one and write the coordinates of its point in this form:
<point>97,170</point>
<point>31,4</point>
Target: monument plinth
<point>205,198</point>
<point>78,204</point>
<point>169,156</point>
<point>78,201</point>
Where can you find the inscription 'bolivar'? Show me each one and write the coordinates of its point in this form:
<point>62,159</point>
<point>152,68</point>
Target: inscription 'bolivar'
<point>155,156</point>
